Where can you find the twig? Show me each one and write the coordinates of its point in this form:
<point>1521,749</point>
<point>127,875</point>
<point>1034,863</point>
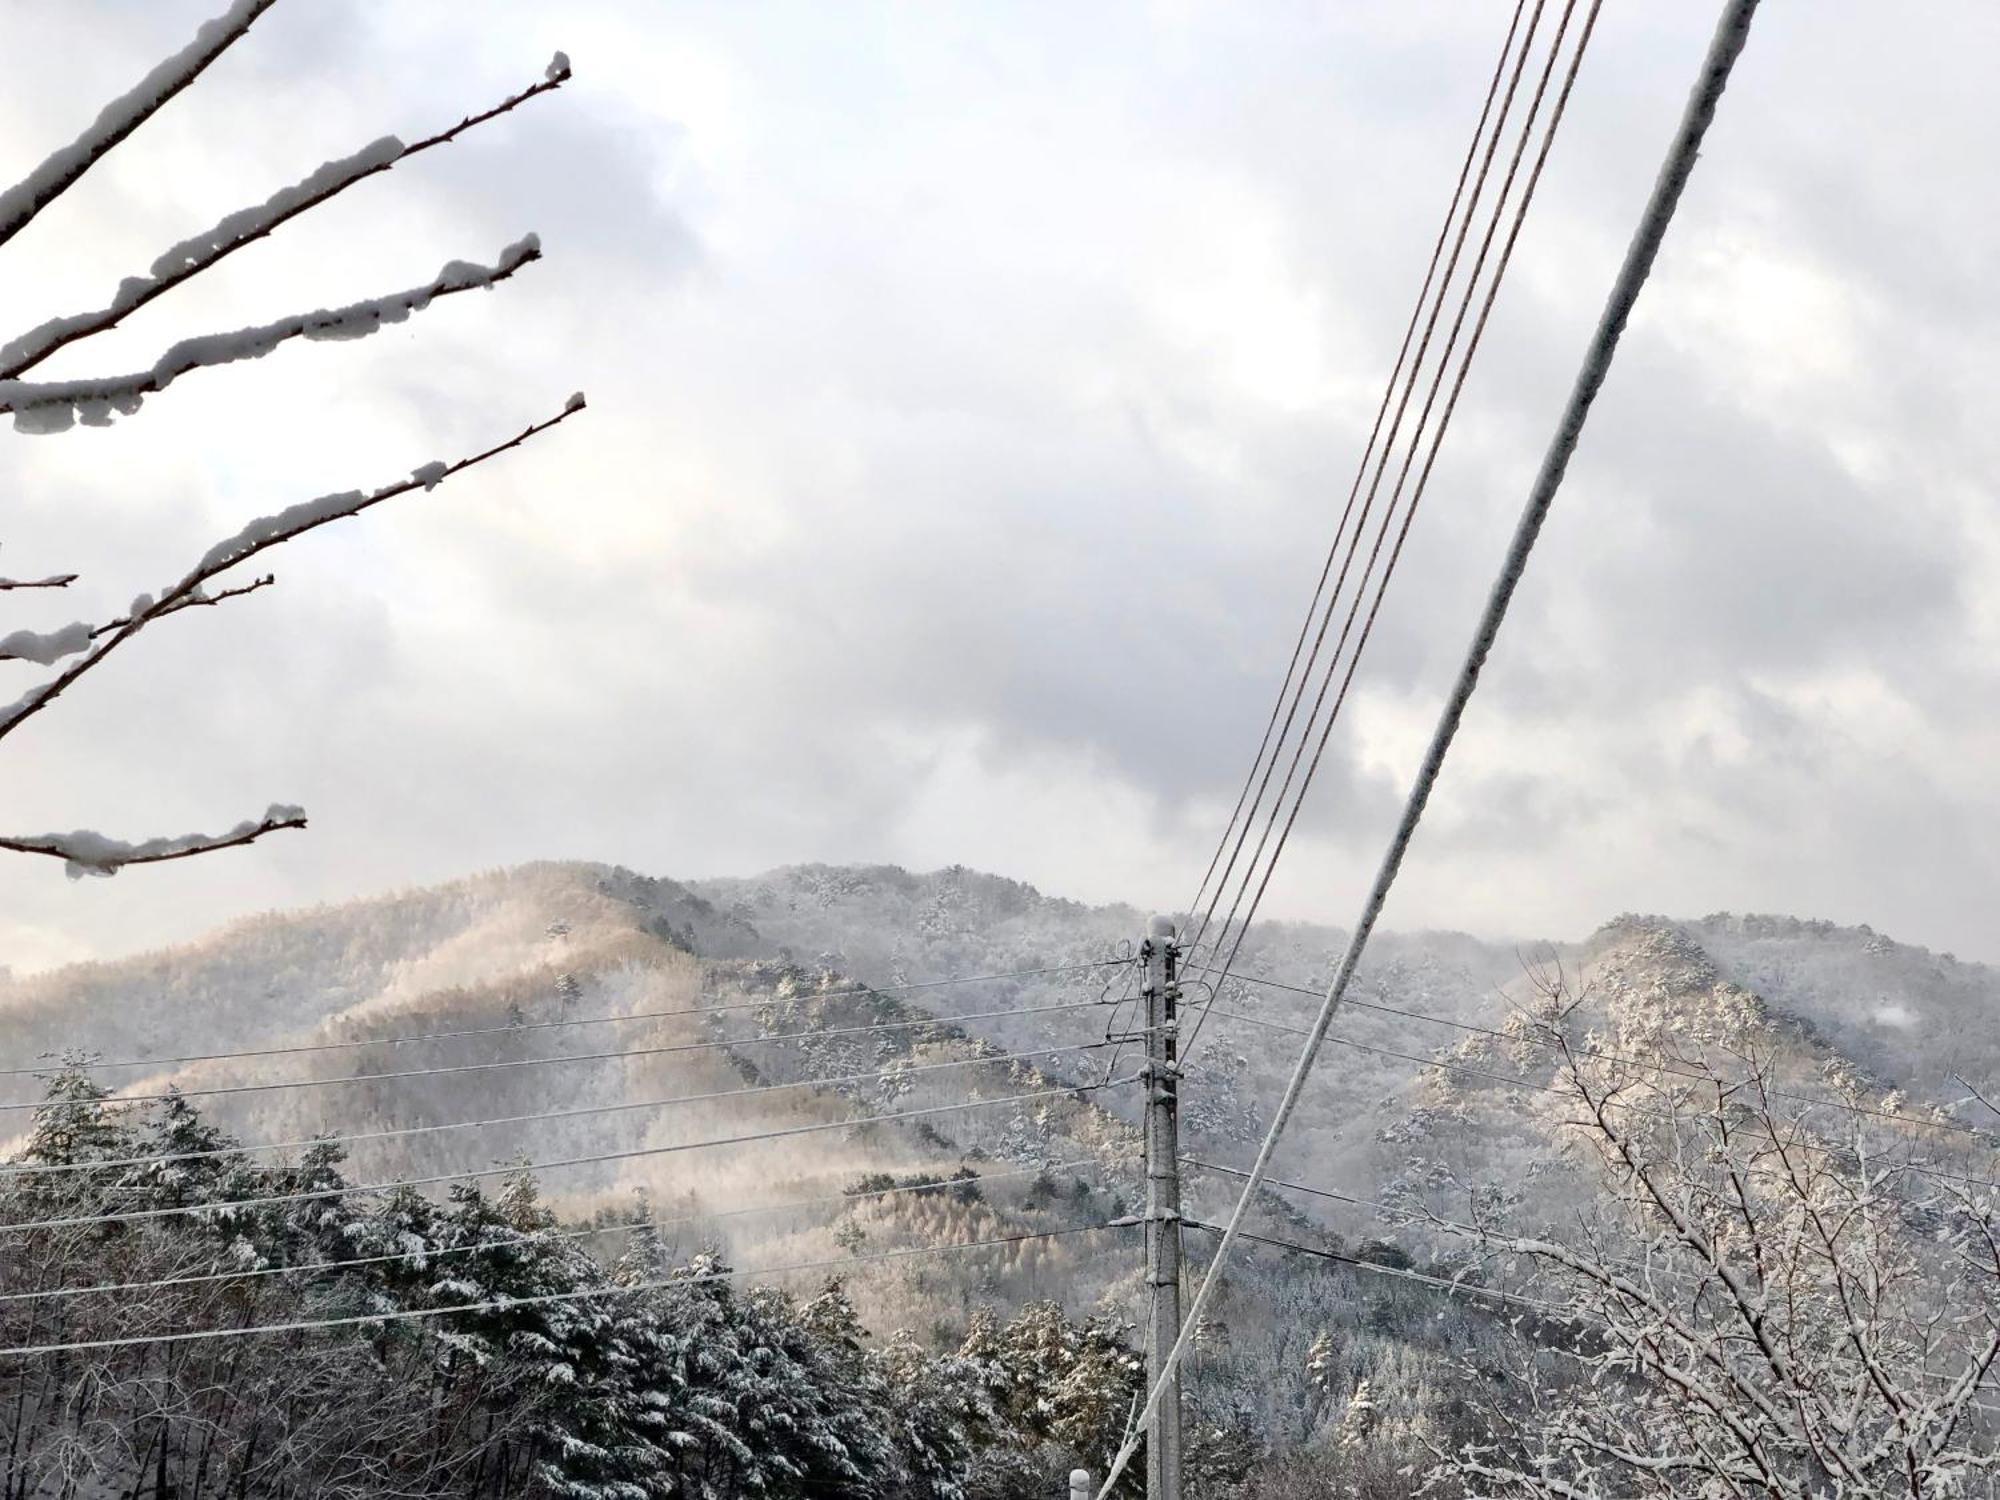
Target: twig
<point>1963,1082</point>
<point>87,853</point>
<point>123,115</point>
<point>53,581</point>
<point>259,536</point>
<point>234,232</point>
<point>51,406</point>
<point>192,601</point>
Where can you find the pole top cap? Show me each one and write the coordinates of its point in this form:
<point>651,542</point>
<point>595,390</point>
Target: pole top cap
<point>1162,927</point>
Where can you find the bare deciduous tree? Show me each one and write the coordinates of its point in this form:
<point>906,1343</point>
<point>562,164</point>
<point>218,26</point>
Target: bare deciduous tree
<point>44,406</point>
<point>1774,1297</point>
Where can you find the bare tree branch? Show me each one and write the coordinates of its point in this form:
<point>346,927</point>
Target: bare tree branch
<point>83,635</point>
<point>191,257</point>
<point>260,535</point>
<point>86,853</point>
<point>53,581</point>
<point>1961,1080</point>
<point>123,115</point>
<point>53,406</point>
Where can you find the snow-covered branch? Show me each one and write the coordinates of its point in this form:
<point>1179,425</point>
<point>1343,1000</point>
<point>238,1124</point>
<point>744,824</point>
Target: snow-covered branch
<point>53,406</point>
<point>189,258</point>
<point>1976,1093</point>
<point>44,647</point>
<point>118,119</point>
<point>49,646</point>
<point>258,536</point>
<point>86,853</point>
<point>77,648</point>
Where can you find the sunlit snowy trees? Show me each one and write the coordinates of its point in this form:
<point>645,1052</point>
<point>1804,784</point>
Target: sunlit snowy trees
<point>43,406</point>
<point>1773,1297</point>
<point>585,1372</point>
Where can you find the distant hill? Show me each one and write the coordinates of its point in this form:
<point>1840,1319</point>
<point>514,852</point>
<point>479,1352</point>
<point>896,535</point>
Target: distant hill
<point>1397,1102</point>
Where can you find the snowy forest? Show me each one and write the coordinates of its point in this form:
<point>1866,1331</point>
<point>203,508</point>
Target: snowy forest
<point>1464,1297</point>
<point>604,1369</point>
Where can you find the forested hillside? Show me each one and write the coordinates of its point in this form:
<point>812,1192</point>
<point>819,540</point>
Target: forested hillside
<point>748,1090</point>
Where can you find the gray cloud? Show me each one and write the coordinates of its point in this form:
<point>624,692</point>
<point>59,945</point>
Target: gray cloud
<point>971,402</point>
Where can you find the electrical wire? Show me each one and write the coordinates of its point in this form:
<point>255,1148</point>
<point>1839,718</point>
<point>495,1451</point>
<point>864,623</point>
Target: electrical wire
<point>546,1299</point>
<point>857,991</point>
<point>1554,123</point>
<point>105,1164</point>
<point>1731,32</point>
<point>662,1050</point>
<point>1367,452</point>
<point>1374,490</point>
<point>1455,1287</point>
<point>26,1169</point>
<point>1624,1059</point>
<point>1381,467</point>
<point>445,1252</point>
<point>1441,1283</point>
<point>1514,1081</point>
<point>349,1190</point>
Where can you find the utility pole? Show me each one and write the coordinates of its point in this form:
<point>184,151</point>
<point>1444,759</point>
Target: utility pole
<point>1160,954</point>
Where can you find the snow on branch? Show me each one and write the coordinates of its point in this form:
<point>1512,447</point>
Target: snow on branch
<point>258,536</point>
<point>86,853</point>
<point>53,406</point>
<point>44,647</point>
<point>189,258</point>
<point>53,581</point>
<point>118,119</point>
<point>50,646</point>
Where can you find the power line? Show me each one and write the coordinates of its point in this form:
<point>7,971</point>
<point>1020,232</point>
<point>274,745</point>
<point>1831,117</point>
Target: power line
<point>664,1049</point>
<point>28,1169</point>
<point>566,1237</point>
<point>545,1299</point>
<point>1546,1088</point>
<point>1693,1075</point>
<point>1441,1283</point>
<point>1367,452</point>
<point>349,1190</point>
<point>1375,485</point>
<point>1453,1286</point>
<point>1731,33</point>
<point>1491,1238</point>
<point>1430,459</point>
<point>857,991</point>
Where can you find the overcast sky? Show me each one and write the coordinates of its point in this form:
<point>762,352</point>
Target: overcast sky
<point>973,389</point>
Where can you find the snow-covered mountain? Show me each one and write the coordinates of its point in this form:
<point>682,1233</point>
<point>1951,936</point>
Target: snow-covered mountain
<point>1428,1074</point>
<point>548,941</point>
